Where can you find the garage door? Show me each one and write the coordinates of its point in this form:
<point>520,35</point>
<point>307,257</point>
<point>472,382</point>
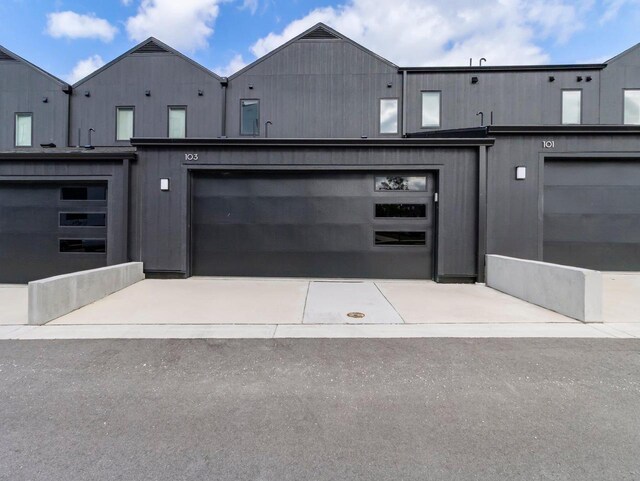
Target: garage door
<point>48,229</point>
<point>313,225</point>
<point>592,214</point>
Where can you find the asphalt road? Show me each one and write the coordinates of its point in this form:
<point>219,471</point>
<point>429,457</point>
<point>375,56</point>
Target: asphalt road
<point>426,409</point>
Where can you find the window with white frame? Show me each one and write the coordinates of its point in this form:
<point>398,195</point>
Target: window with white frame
<point>24,130</point>
<point>177,122</point>
<point>431,106</point>
<point>572,106</point>
<point>124,123</point>
<point>388,116</point>
<point>632,107</point>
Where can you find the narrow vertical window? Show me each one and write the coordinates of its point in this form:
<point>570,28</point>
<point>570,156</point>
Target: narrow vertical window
<point>571,106</point>
<point>632,107</point>
<point>124,123</point>
<point>24,124</point>
<point>388,116</point>
<point>431,109</point>
<point>249,117</point>
<point>177,122</point>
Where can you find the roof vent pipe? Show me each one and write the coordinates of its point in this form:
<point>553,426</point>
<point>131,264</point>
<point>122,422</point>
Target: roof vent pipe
<point>89,146</point>
<point>482,60</point>
<point>266,128</point>
<point>481,114</point>
<point>471,62</point>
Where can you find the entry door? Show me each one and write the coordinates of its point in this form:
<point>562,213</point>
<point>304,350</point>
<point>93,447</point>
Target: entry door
<point>345,225</point>
<point>51,229</point>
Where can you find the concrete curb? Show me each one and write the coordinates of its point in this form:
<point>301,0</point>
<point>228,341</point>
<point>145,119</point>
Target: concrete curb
<point>317,331</point>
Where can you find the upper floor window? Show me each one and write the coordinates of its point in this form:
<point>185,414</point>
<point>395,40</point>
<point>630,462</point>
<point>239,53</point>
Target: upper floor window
<point>388,116</point>
<point>24,133</point>
<point>177,122</point>
<point>431,103</point>
<point>249,117</point>
<point>632,107</point>
<point>572,106</point>
<point>124,123</point>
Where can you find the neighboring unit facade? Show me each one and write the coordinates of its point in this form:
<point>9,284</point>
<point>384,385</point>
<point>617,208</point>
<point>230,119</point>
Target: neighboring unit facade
<point>320,159</point>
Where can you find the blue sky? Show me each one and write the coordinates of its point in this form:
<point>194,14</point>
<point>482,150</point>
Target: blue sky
<point>70,38</point>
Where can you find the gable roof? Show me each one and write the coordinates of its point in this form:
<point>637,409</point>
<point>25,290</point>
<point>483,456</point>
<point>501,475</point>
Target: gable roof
<point>620,55</point>
<point>8,56</point>
<point>150,45</point>
<point>319,31</point>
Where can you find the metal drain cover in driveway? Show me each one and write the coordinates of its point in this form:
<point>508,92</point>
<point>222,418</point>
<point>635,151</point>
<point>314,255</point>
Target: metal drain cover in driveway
<point>346,303</point>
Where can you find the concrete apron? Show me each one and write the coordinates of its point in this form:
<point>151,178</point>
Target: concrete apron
<point>298,301</point>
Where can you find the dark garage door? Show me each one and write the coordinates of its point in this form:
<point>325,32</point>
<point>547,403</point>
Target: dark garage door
<point>313,224</point>
<point>48,229</point>
<point>592,214</point>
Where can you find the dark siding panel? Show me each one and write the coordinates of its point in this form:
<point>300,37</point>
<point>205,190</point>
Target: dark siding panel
<point>21,90</point>
<point>171,80</point>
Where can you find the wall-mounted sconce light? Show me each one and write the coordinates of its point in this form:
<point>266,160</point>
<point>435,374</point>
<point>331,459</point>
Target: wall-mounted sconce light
<point>45,100</point>
<point>521,173</point>
<point>552,78</point>
<point>579,78</point>
<point>589,79</point>
<point>474,80</point>
<point>389,85</point>
<point>147,93</point>
<point>200,93</point>
<point>250,86</point>
<point>164,184</point>
<point>87,93</point>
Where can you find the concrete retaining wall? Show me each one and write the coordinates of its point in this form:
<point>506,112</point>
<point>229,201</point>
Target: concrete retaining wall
<point>570,291</point>
<point>56,296</point>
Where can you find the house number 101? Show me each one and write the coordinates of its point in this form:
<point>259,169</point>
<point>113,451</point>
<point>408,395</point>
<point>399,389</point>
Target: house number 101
<point>548,144</point>
<point>190,157</point>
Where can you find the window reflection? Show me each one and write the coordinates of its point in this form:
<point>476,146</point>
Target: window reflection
<point>401,210</point>
<point>401,182</point>
<point>632,107</point>
<point>397,238</point>
<point>388,116</point>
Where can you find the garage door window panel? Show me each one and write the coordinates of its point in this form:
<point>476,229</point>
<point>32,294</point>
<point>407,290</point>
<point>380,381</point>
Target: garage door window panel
<point>391,183</point>
<point>83,246</point>
<point>418,211</point>
<point>400,238</point>
<point>93,192</point>
<point>83,219</point>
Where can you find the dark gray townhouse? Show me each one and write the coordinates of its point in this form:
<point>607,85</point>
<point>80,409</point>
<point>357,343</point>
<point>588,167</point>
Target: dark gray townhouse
<point>320,159</point>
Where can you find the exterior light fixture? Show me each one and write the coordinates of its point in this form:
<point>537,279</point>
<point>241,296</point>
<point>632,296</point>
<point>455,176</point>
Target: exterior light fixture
<point>474,80</point>
<point>521,172</point>
<point>389,85</point>
<point>87,93</point>
<point>200,93</point>
<point>164,184</point>
<point>552,78</point>
<point>579,78</point>
<point>147,93</point>
<point>589,79</point>
<point>45,100</point>
<point>250,86</point>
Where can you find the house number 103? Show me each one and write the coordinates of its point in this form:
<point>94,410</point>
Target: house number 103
<point>190,157</point>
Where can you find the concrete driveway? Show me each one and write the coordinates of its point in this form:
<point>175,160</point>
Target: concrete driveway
<point>292,301</point>
<point>13,304</point>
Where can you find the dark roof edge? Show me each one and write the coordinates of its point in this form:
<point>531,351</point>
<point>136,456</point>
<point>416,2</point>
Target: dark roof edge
<point>321,142</point>
<point>62,83</point>
<point>86,155</point>
<point>505,68</point>
<point>298,37</point>
<point>563,129</point>
<point>136,47</point>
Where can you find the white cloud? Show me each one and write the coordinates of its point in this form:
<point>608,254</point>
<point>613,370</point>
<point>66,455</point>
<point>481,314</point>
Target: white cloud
<point>251,5</point>
<point>84,68</point>
<point>126,3</point>
<point>235,64</point>
<point>612,8</point>
<point>184,24</point>
<point>432,32</point>
<point>73,25</point>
